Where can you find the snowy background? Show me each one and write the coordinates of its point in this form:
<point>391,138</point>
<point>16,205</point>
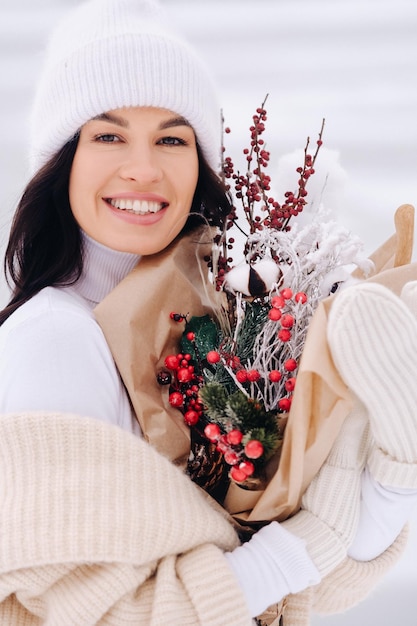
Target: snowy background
<point>353,62</point>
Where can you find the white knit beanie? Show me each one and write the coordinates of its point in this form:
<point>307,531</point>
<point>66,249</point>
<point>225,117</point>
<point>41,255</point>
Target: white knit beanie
<point>109,54</point>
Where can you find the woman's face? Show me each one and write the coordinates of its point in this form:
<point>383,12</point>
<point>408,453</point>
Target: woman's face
<point>133,178</point>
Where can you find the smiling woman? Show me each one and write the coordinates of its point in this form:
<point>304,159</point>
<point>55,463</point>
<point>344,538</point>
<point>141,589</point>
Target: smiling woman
<point>133,178</point>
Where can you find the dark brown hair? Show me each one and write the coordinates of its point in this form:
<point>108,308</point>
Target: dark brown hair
<point>45,244</point>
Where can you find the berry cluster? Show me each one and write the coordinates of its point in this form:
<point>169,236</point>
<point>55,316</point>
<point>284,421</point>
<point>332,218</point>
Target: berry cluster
<point>236,453</point>
<point>252,190</point>
<point>278,313</point>
<point>282,313</point>
<point>184,385</point>
<point>238,450</point>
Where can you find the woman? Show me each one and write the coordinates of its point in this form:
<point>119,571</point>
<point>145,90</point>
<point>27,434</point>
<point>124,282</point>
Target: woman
<point>101,529</point>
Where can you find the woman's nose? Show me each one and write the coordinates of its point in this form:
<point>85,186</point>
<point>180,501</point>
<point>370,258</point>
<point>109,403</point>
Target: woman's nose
<point>142,166</point>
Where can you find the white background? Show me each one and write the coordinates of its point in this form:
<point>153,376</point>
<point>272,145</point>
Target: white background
<point>353,62</point>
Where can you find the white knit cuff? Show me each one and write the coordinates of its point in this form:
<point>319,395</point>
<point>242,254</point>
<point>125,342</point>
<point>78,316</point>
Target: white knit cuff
<point>271,565</point>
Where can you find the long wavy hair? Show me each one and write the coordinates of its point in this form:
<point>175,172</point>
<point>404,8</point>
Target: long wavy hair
<point>45,244</point>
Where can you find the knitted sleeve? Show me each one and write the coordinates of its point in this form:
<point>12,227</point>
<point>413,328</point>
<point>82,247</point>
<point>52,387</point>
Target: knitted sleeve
<point>352,581</point>
<point>346,586</point>
<point>97,528</point>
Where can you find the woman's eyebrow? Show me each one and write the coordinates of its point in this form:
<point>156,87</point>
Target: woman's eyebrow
<point>114,119</point>
<point>120,121</point>
<point>174,121</point>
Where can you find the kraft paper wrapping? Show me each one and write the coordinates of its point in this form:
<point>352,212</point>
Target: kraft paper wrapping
<point>320,403</point>
<point>135,321</point>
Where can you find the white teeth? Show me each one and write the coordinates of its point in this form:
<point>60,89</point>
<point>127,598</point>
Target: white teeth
<point>139,207</point>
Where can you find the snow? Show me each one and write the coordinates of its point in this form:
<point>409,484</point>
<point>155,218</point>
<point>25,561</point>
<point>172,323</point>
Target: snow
<point>353,62</point>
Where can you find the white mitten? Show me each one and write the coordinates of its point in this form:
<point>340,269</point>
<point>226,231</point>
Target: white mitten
<point>373,340</point>
<point>273,564</point>
<point>329,513</point>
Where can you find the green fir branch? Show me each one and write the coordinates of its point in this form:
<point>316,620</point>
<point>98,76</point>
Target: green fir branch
<point>215,398</point>
<point>256,314</point>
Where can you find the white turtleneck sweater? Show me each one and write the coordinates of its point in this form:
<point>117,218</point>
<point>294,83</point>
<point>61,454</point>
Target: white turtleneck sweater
<point>53,355</point>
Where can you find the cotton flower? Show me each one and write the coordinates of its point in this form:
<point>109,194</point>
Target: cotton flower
<point>253,279</point>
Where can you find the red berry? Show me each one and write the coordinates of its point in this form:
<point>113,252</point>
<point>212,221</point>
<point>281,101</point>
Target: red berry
<point>247,467</point>
<point>213,356</point>
<point>190,336</point>
<point>284,334</point>
<point>172,362</point>
<point>241,376</point>
<point>191,417</point>
<point>286,293</point>
<point>277,302</point>
<point>253,375</point>
<point>231,457</point>
<point>274,314</point>
<point>287,321</point>
<point>274,376</point>
<point>234,437</point>
<point>184,375</point>
<point>254,449</point>
<point>212,432</point>
<point>237,474</point>
<point>290,365</point>
<point>176,399</point>
<point>300,297</point>
<point>284,404</point>
<point>290,384</point>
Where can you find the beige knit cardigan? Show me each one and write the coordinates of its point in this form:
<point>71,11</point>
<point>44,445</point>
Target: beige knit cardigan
<point>96,527</point>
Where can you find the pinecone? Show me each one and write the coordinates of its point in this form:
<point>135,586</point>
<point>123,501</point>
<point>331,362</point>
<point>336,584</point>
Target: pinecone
<point>206,466</point>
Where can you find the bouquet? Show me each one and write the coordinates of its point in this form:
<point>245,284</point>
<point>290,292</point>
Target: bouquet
<point>223,354</point>
<point>235,373</point>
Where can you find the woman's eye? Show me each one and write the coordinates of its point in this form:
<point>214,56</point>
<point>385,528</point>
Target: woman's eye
<point>172,141</point>
<point>107,138</point>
